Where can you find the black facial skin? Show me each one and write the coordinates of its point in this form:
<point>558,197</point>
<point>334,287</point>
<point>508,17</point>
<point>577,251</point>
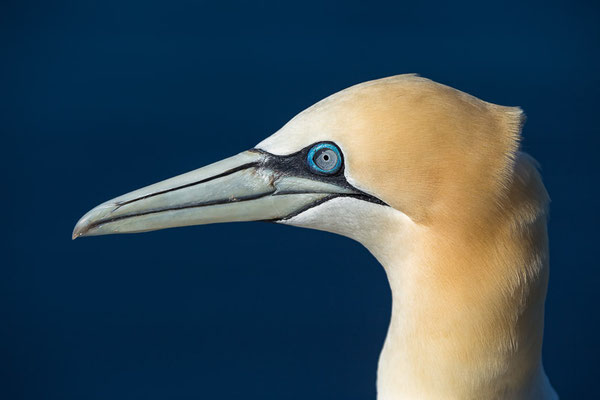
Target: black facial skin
<point>296,164</point>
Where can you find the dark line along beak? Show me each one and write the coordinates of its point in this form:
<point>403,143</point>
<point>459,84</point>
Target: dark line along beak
<point>247,187</point>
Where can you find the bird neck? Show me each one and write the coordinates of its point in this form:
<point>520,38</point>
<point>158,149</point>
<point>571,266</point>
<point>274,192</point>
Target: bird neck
<point>468,309</point>
<point>446,339</point>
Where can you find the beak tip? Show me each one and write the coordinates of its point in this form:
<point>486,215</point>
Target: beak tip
<point>81,228</point>
<point>87,224</point>
<point>77,232</point>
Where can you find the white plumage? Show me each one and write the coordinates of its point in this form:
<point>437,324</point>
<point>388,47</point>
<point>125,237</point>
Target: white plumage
<point>431,181</point>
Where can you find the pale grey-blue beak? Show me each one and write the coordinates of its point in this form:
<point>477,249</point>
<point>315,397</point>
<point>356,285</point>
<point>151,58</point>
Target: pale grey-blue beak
<point>241,188</point>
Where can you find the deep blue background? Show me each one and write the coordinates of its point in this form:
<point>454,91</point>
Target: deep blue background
<point>100,98</point>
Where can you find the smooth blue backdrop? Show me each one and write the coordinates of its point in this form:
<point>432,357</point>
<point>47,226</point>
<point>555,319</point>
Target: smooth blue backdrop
<point>99,98</point>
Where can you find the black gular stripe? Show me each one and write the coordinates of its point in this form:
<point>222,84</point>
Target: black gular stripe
<point>358,196</point>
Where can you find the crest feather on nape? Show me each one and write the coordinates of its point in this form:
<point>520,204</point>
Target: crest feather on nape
<point>512,126</point>
<point>494,172</point>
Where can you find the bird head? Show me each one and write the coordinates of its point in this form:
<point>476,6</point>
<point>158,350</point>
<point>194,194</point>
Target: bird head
<point>429,179</point>
<point>402,146</point>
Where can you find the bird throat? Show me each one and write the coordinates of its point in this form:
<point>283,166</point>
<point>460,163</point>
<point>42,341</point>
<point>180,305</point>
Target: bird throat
<point>467,312</point>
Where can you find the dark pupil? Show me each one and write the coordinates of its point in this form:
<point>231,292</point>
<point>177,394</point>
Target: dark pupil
<point>326,159</point>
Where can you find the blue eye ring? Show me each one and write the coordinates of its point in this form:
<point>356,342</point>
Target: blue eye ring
<point>315,150</point>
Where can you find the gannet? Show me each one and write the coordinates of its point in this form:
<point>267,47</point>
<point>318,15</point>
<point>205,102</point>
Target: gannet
<point>432,182</point>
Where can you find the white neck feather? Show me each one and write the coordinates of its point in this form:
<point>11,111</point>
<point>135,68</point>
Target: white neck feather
<point>437,350</point>
<point>440,345</point>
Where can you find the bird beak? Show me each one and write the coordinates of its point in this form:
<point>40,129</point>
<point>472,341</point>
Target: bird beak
<point>250,186</point>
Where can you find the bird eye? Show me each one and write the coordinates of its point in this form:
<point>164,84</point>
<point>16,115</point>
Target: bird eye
<point>325,158</point>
